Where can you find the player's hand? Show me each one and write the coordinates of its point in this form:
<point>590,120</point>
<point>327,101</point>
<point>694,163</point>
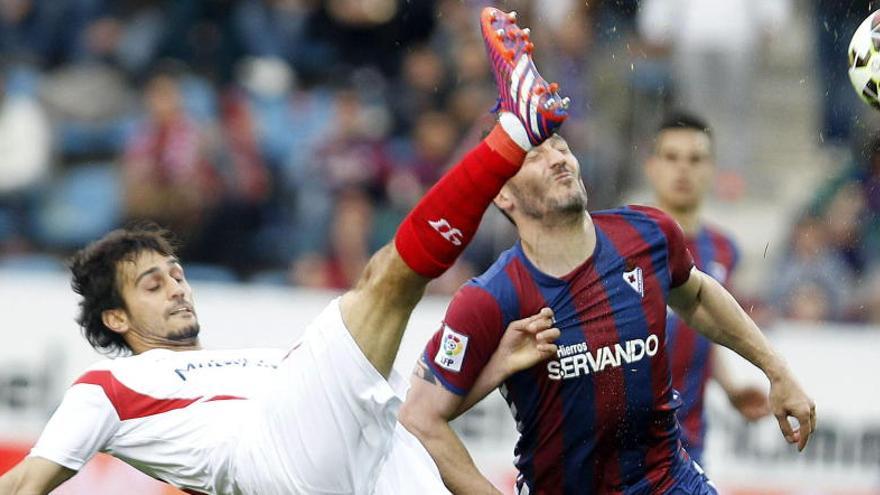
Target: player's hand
<point>787,398</point>
<point>527,342</point>
<point>751,402</point>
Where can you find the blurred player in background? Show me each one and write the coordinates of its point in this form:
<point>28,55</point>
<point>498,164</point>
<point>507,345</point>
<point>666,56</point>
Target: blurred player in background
<point>599,416</point>
<point>680,171</point>
<point>319,419</point>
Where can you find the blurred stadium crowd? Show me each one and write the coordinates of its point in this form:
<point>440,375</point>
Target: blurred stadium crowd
<point>283,140</point>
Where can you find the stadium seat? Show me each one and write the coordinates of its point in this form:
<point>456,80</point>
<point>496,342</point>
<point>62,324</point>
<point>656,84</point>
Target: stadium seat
<point>204,272</point>
<point>275,278</point>
<point>80,206</point>
<point>199,99</point>
<point>33,262</point>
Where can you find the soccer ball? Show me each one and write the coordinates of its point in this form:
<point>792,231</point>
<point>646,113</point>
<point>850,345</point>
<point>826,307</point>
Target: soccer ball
<point>864,59</point>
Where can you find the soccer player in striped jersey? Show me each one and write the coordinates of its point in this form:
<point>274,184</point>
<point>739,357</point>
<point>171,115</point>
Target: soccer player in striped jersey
<point>599,415</point>
<point>318,418</point>
<point>680,171</point>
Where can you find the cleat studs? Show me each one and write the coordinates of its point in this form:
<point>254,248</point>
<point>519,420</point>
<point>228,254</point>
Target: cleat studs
<point>529,47</point>
<point>493,15</point>
<point>499,33</point>
<point>526,33</point>
<point>511,16</point>
<point>554,87</point>
<point>540,90</point>
<point>511,35</point>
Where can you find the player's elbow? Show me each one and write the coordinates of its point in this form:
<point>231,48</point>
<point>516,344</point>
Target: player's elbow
<point>410,418</point>
<point>419,421</point>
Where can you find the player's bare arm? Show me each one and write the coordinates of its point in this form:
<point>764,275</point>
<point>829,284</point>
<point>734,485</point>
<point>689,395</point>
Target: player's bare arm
<point>705,305</point>
<point>430,407</point>
<point>34,476</point>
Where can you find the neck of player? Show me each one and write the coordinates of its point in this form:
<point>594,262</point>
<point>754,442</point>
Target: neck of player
<point>688,218</point>
<point>143,343</point>
<point>558,248</point>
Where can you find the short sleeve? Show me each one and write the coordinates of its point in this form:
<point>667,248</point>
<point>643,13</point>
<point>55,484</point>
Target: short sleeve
<point>80,427</point>
<point>680,259</point>
<point>468,336</point>
<point>734,255</point>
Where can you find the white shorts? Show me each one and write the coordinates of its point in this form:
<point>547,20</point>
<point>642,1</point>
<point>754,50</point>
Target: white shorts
<point>328,423</point>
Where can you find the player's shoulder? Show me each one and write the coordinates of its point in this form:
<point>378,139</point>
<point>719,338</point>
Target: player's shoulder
<point>632,212</point>
<point>103,374</point>
<point>110,369</point>
<point>647,213</point>
<point>110,365</point>
<point>105,364</point>
<point>496,276</point>
<point>640,217</point>
<point>719,234</point>
<point>494,286</point>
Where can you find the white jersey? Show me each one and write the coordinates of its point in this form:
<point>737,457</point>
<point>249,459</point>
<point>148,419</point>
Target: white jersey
<point>170,414</point>
<point>318,419</point>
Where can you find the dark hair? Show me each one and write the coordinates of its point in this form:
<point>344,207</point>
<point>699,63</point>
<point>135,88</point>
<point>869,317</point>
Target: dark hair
<point>684,120</point>
<point>95,269</point>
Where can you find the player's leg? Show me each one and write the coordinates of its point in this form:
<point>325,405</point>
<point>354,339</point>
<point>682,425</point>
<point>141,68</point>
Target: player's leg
<point>326,423</point>
<point>329,421</point>
<point>429,240</point>
<point>443,222</point>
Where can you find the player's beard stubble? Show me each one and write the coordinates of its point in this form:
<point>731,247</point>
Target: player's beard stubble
<point>534,202</point>
<point>187,333</point>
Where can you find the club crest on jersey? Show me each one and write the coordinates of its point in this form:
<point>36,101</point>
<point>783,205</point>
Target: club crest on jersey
<point>634,279</point>
<point>453,346</point>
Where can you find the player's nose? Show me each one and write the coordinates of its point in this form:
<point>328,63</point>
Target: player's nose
<point>175,289</point>
<point>556,159</point>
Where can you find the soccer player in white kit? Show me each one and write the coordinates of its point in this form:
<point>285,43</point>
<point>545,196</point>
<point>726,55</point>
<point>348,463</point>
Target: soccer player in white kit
<point>318,418</point>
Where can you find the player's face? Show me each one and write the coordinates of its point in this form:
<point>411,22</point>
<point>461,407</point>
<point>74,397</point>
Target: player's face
<point>159,306</point>
<point>549,182</point>
<point>681,168</point>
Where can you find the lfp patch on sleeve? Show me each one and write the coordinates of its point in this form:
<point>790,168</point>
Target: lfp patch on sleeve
<point>453,345</point>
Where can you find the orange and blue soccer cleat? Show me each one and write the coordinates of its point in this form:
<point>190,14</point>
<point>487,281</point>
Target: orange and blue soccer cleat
<point>522,90</point>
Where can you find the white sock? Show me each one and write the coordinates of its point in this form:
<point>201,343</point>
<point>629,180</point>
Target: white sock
<point>514,128</point>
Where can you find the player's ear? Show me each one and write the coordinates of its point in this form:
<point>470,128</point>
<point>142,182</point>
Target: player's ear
<point>115,319</point>
<point>504,200</point>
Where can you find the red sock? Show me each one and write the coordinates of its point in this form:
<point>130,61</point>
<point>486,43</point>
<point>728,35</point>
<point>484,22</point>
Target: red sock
<point>442,224</point>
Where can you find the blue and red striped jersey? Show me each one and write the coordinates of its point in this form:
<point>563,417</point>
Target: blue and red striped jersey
<point>600,416</point>
<point>690,353</point>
